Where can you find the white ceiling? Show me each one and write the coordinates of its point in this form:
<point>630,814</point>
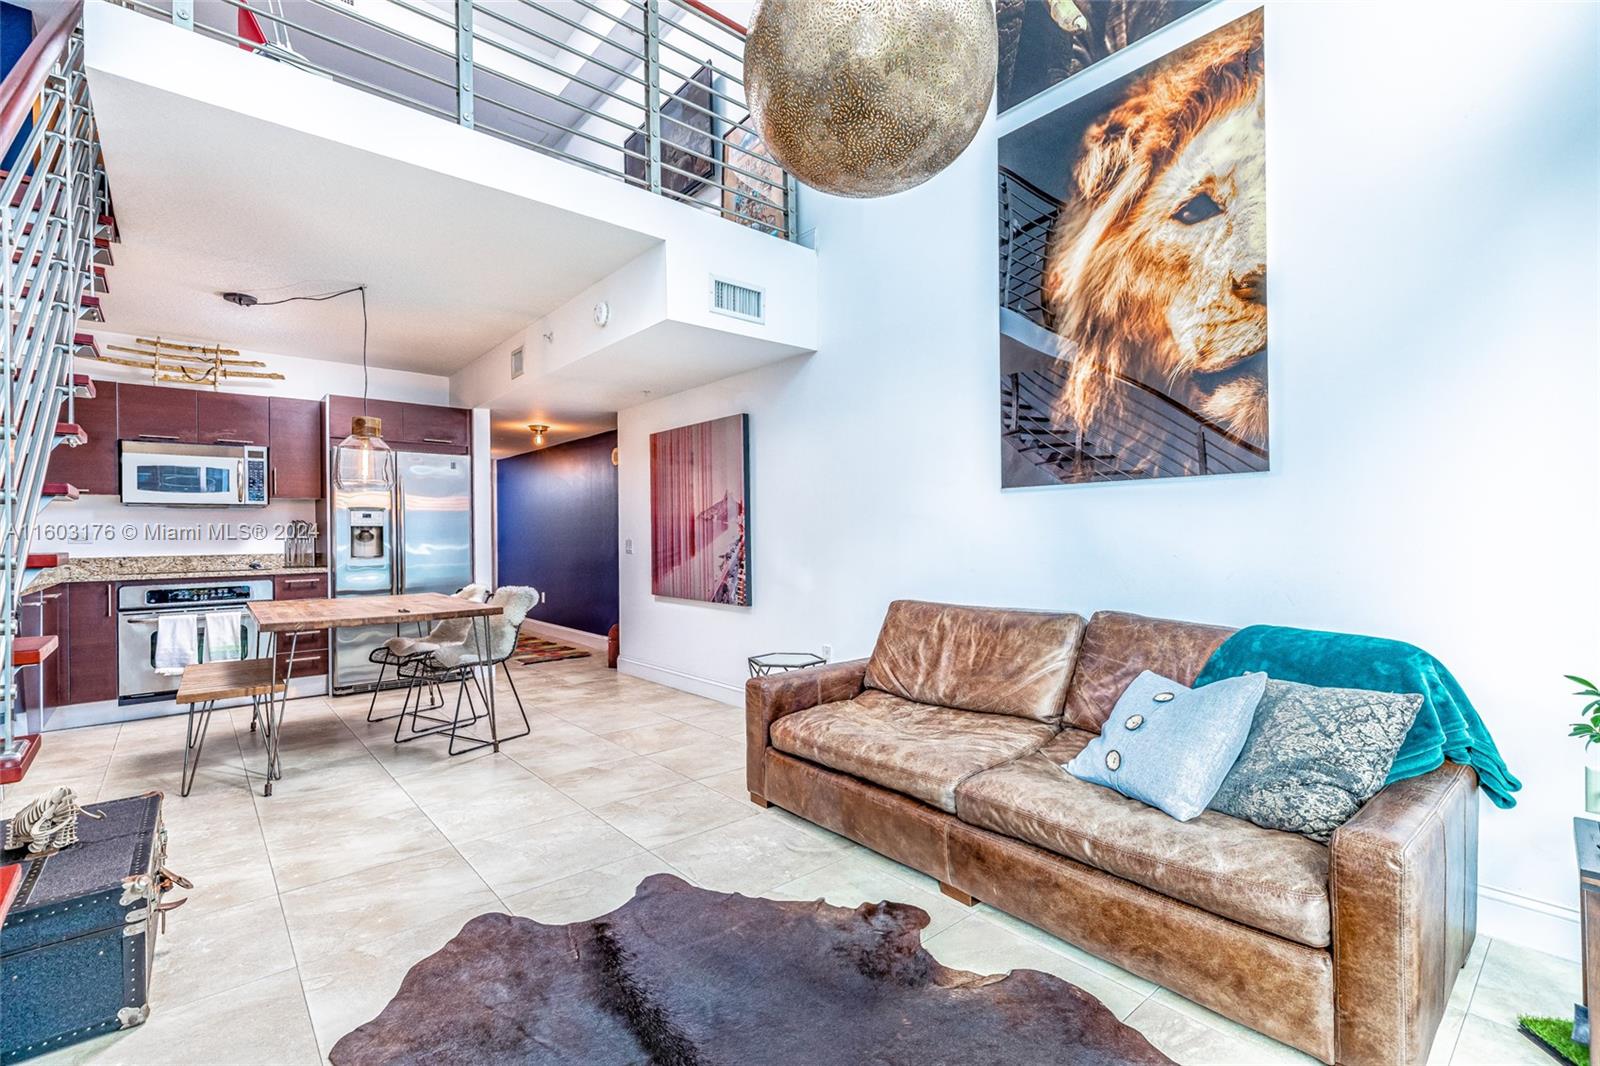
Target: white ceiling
<point>209,200</point>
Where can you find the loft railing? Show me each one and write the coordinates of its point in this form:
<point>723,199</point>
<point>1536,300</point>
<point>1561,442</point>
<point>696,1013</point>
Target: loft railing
<point>648,91</point>
<point>52,202</point>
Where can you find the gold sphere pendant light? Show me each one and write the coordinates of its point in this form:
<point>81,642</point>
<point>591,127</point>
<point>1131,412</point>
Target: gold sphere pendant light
<point>869,97</point>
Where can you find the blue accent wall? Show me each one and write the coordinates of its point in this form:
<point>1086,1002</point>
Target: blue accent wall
<point>16,31</point>
<point>556,529</point>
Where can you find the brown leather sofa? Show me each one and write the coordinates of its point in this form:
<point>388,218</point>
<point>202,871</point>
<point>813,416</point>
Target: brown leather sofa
<point>942,751</point>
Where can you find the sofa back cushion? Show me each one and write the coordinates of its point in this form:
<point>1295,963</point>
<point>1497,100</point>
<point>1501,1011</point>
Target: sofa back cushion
<point>977,658</point>
<point>1117,647</point>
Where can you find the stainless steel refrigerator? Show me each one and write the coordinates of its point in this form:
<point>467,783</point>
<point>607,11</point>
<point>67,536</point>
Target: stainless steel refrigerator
<point>416,538</point>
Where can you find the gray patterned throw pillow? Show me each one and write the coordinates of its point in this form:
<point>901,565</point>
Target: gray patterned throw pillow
<point>1314,756</point>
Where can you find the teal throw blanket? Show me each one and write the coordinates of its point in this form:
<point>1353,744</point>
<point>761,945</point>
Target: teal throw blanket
<point>1447,726</point>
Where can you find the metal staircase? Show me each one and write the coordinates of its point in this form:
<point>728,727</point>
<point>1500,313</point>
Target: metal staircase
<point>56,230</point>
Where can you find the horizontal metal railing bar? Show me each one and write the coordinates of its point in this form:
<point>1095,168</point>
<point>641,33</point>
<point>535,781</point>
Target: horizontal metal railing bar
<point>585,57</point>
<point>448,83</point>
<point>544,149</point>
<point>686,102</point>
<point>681,28</point>
<point>484,97</point>
<point>427,13</point>
<point>637,31</point>
<point>712,89</point>
<point>546,65</point>
<point>715,162</point>
<point>708,205</point>
<point>604,40</point>
<point>689,199</point>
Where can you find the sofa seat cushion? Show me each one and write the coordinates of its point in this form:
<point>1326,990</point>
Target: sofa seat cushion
<point>911,748</point>
<point>1270,880</point>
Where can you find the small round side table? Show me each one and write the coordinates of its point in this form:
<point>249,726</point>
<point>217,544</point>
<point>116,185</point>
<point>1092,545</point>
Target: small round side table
<point>781,661</point>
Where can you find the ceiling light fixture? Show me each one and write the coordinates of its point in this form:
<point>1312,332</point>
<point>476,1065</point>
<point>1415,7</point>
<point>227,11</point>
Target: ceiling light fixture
<point>363,461</point>
<point>538,432</point>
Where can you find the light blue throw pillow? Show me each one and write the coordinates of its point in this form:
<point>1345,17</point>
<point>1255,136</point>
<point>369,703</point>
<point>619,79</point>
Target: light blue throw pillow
<point>1171,746</point>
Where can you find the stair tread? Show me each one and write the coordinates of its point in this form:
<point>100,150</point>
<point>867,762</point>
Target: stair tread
<point>59,490</point>
<point>31,651</point>
<point>69,430</point>
<point>14,767</point>
<point>44,560</point>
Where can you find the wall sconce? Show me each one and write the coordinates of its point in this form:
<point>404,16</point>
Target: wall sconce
<point>538,432</point>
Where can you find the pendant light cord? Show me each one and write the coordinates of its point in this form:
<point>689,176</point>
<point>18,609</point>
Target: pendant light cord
<point>362,289</point>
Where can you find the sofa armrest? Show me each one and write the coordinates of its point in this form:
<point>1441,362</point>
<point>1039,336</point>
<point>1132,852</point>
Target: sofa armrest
<point>766,699</point>
<point>1404,882</point>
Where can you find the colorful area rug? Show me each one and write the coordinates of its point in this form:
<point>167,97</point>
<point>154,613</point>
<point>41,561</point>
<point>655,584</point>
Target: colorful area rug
<point>680,976</point>
<point>531,649</point>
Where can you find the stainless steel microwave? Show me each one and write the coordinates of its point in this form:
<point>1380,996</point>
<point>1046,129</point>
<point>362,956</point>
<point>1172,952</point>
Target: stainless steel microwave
<point>193,475</point>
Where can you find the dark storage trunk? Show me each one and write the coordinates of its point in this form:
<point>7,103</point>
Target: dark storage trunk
<point>78,941</point>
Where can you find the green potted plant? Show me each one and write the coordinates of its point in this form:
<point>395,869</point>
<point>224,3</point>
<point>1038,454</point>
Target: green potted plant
<point>1589,730</point>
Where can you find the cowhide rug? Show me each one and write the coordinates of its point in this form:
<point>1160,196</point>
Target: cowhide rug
<point>679,976</point>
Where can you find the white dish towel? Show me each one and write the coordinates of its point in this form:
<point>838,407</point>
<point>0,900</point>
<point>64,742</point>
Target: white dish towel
<point>224,638</point>
<point>177,640</point>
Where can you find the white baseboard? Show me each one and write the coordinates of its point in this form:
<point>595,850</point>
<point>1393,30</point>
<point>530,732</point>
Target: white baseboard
<point>733,695</point>
<point>1532,923</point>
<point>576,637</point>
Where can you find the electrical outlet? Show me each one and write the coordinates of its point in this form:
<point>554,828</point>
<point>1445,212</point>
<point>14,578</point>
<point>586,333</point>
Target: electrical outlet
<point>627,546</point>
<point>827,652</point>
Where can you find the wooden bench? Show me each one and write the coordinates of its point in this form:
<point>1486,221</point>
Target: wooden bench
<point>203,684</point>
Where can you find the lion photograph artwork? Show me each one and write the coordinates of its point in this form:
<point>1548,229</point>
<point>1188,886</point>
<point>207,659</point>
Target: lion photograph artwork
<point>1133,272</point>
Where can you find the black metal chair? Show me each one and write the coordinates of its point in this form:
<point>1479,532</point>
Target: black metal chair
<point>460,661</point>
<point>398,651</point>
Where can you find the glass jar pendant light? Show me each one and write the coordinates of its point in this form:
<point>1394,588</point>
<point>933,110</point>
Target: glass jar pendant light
<point>363,462</point>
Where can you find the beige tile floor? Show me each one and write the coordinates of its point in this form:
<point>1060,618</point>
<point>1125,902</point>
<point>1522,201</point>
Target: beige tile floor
<point>309,907</point>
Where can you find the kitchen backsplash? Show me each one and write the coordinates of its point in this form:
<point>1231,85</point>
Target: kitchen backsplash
<point>100,526</point>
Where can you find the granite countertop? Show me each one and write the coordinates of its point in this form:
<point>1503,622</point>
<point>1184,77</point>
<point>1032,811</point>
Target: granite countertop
<point>159,567</point>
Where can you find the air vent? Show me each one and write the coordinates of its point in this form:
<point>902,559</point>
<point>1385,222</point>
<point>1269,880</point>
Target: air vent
<point>738,301</point>
<point>516,363</point>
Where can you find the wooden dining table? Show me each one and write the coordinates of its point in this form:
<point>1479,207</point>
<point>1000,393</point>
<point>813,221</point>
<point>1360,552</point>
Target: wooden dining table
<point>293,619</point>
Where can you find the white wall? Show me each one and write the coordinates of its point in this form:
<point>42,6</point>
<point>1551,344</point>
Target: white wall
<point>101,526</point>
<point>1435,387</point>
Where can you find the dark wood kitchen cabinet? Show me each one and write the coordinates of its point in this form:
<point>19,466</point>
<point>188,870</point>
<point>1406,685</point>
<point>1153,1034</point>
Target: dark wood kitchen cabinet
<point>91,665</point>
<point>92,466</point>
<point>310,657</point>
<point>150,412</point>
<point>341,409</point>
<point>230,418</point>
<point>422,423</point>
<point>297,448</point>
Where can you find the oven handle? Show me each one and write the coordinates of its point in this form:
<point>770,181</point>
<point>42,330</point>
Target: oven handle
<point>151,617</point>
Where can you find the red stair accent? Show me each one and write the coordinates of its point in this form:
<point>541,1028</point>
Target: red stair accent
<point>91,309</point>
<point>59,490</point>
<point>69,430</point>
<point>12,767</point>
<point>31,651</point>
<point>44,560</point>
<point>82,384</point>
<point>86,340</point>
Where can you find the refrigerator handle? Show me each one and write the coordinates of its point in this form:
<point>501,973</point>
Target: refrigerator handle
<point>397,544</point>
